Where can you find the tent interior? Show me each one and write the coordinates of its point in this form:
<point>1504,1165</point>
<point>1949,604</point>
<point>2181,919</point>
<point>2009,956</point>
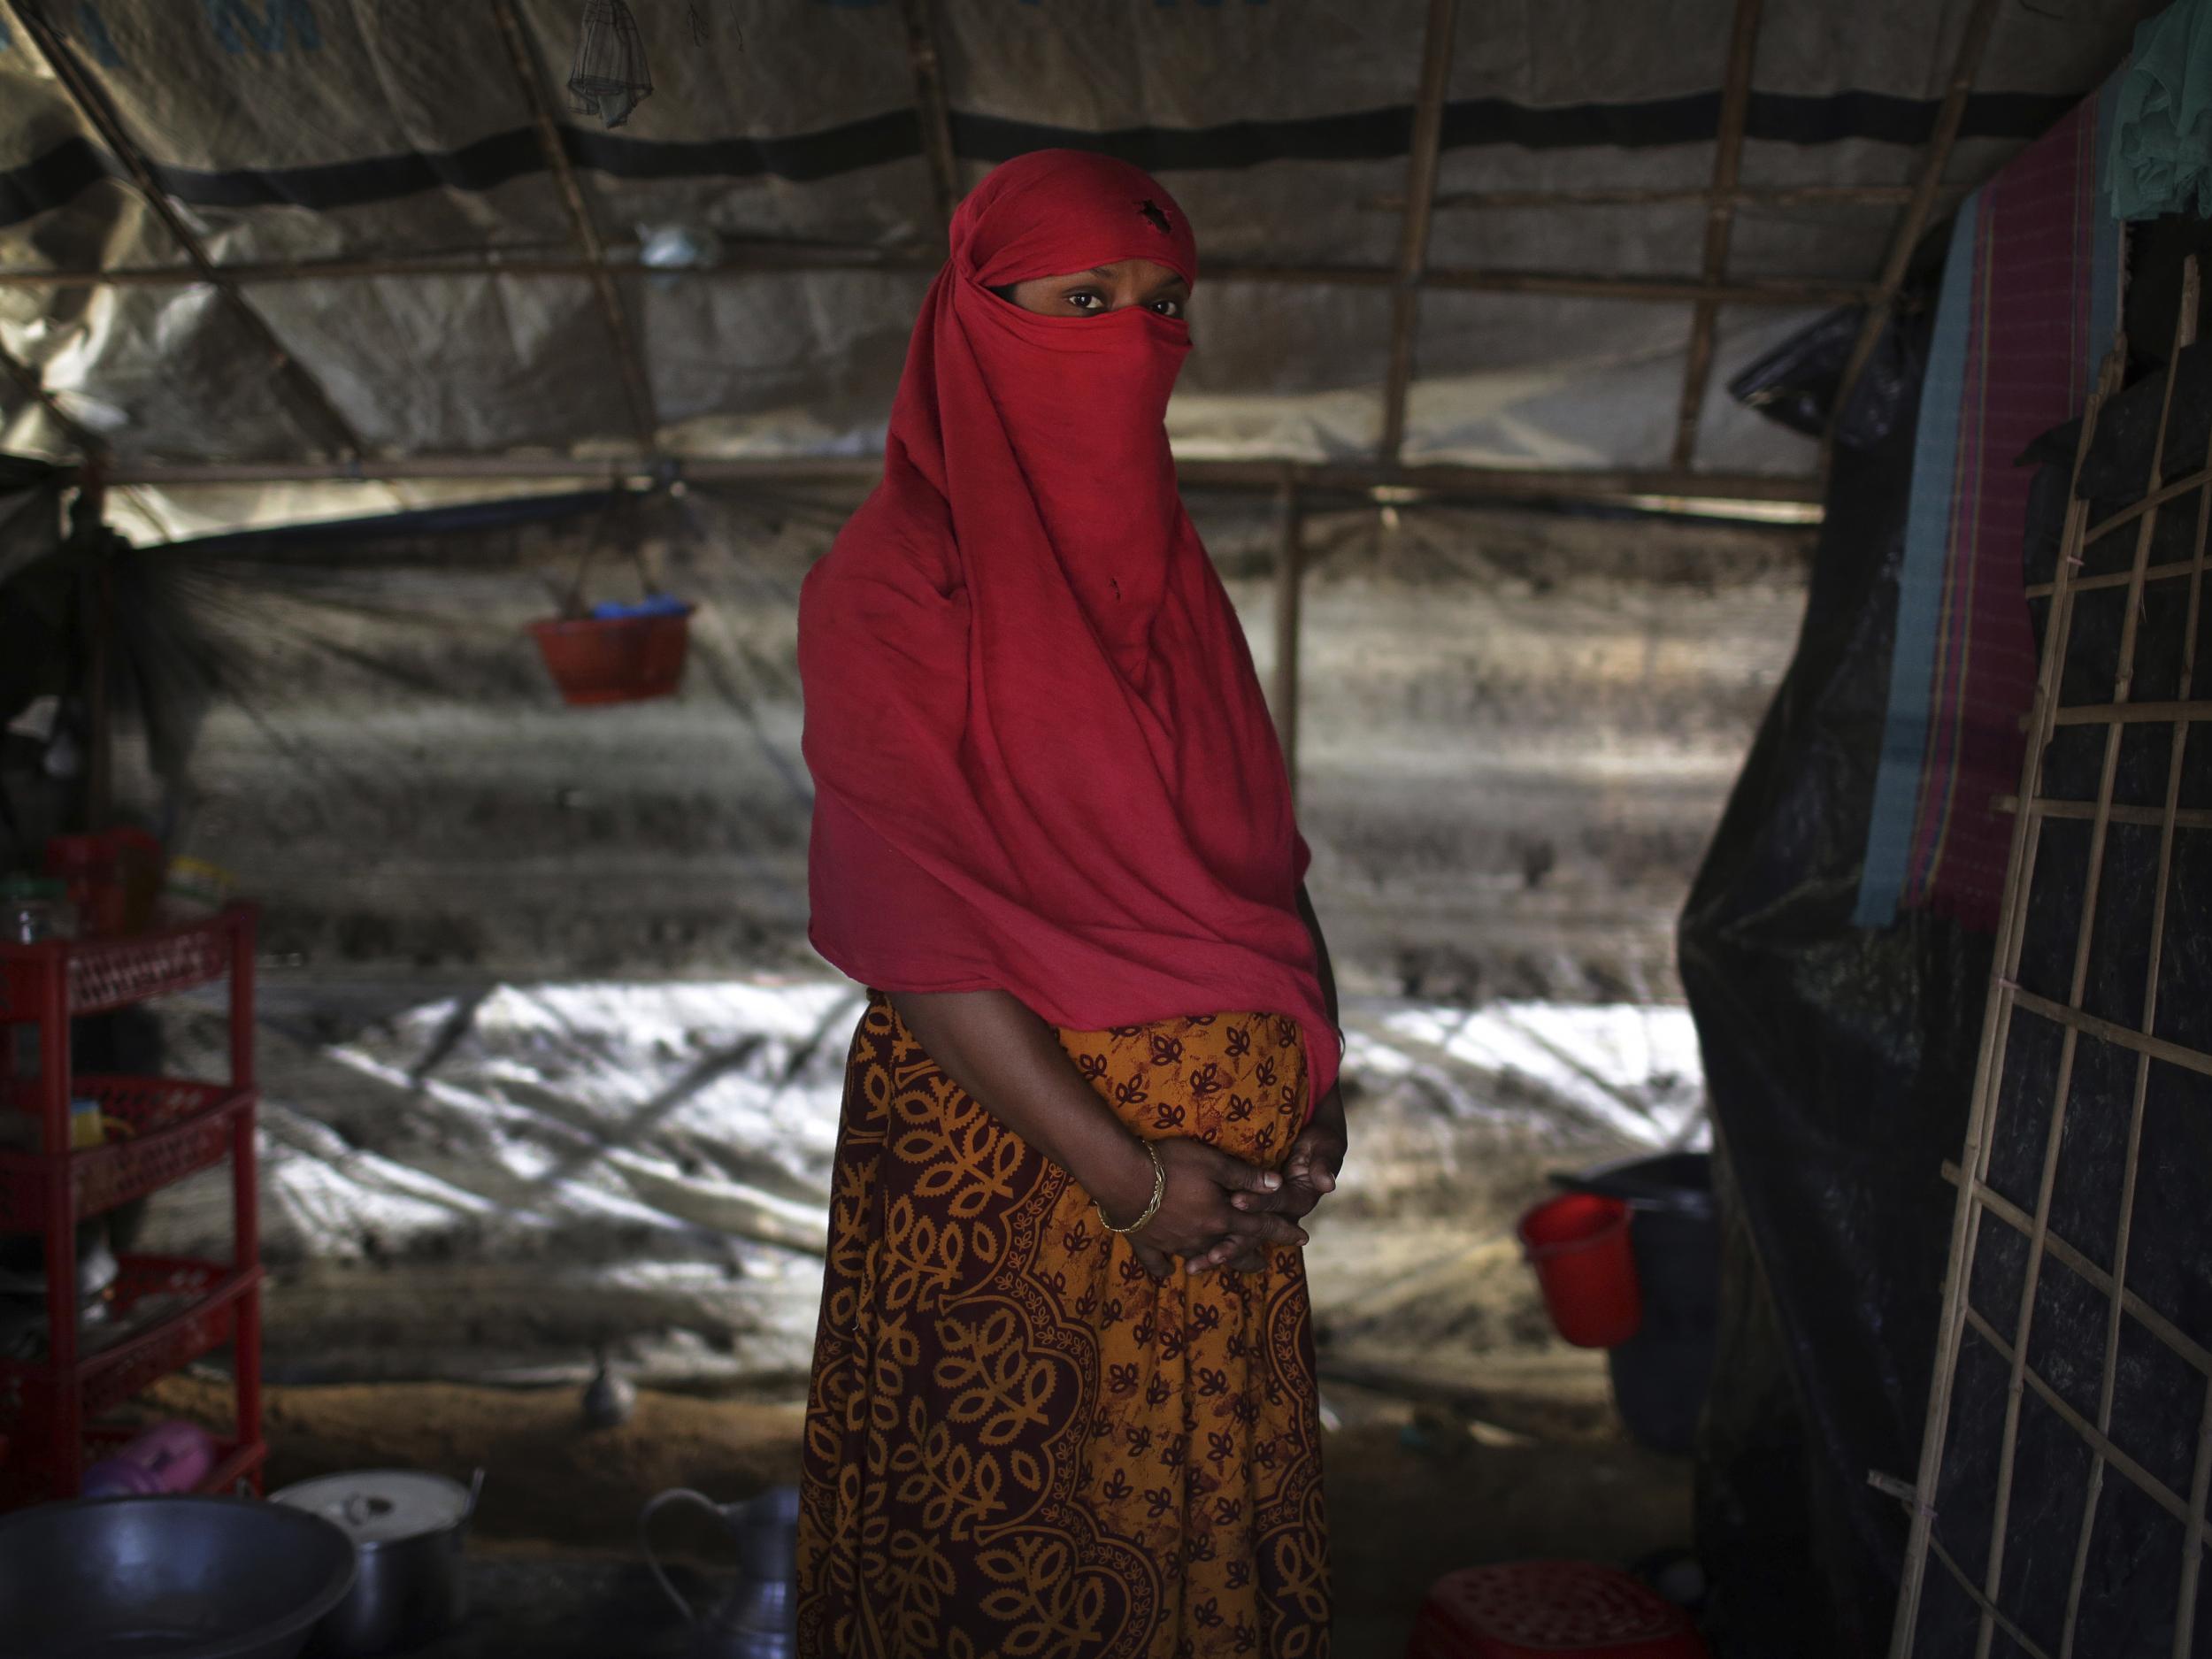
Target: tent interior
<point>1557,421</point>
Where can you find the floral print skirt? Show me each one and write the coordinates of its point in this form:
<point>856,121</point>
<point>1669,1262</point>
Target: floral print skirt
<point>1017,1442</point>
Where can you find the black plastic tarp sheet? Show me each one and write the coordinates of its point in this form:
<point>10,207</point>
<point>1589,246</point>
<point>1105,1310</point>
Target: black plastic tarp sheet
<point>1838,1062</point>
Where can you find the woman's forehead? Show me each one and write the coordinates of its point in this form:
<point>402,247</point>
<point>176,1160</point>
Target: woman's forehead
<point>1145,272</point>
<point>1054,213</point>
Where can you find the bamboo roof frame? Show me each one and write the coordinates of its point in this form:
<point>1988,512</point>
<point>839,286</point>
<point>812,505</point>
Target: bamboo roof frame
<point>589,259</point>
<point>749,260</point>
<point>1403,485</point>
<point>932,108</point>
<point>92,106</point>
<point>1720,219</point>
<point>1422,160</point>
<point>1740,196</point>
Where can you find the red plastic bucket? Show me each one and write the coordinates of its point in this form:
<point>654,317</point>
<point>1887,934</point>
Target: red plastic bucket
<point>615,659</point>
<point>1578,1243</point>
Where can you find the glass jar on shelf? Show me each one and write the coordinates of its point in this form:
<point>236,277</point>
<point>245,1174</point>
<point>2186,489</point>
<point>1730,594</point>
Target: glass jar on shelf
<point>34,909</point>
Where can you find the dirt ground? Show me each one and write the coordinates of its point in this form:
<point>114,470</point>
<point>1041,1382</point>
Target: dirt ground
<point>1521,1459</point>
<point>456,1212</point>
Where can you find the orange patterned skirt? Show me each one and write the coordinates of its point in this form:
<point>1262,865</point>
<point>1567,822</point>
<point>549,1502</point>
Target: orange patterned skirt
<point>1017,1442</point>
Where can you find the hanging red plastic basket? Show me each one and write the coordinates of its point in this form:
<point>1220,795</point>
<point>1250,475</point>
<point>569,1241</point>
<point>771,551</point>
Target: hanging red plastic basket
<point>615,652</point>
<point>635,653</point>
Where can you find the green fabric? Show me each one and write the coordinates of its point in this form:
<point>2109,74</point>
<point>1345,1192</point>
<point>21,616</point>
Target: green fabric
<point>2162,150</point>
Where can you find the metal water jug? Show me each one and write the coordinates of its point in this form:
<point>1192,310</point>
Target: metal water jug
<point>759,1617</point>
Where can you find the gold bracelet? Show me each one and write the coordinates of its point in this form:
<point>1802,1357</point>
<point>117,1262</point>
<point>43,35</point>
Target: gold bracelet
<point>1159,1191</point>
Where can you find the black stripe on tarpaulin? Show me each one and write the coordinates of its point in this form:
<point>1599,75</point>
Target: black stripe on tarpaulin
<point>1473,123</point>
<point>61,172</point>
<point>66,171</point>
<point>482,166</point>
<point>895,136</point>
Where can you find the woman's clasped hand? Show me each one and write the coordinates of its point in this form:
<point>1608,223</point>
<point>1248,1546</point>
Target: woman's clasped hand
<point>1198,1215</point>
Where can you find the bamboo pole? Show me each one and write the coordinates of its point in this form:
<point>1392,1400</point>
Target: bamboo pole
<point>736,260</point>
<point>2134,713</point>
<point>2031,1381</point>
<point>1720,219</point>
<point>1413,252</point>
<point>1738,196</point>
<point>926,53</point>
<point>1973,42</point>
<point>2196,1356</point>
<point>92,106</point>
<point>2151,503</point>
<point>1656,290</point>
<point>1973,1592</point>
<point>2080,811</point>
<point>2193,1536</point>
<point>530,76</point>
<point>740,261</point>
<point>2110,1032</point>
<point>2117,578</point>
<point>1503,483</point>
<point>1402,484</point>
<point>97,595</point>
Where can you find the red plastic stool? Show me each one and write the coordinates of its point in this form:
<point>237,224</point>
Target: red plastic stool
<point>1532,1608</point>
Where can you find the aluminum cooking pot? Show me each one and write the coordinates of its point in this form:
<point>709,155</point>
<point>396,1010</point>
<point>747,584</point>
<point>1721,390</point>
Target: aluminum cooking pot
<point>408,1529</point>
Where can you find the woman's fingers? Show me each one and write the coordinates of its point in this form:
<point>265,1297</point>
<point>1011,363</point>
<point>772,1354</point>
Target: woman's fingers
<point>1247,1226</point>
<point>1313,1161</point>
<point>1236,1176</point>
<point>1208,1260</point>
<point>1294,1199</point>
<point>1230,1255</point>
<point>1153,1261</point>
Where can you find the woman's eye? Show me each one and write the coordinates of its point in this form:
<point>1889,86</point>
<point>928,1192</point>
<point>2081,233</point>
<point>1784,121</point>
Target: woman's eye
<point>1168,308</point>
<point>1083,300</point>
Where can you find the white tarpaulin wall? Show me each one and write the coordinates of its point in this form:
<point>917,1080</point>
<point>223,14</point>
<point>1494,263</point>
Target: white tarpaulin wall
<point>307,132</point>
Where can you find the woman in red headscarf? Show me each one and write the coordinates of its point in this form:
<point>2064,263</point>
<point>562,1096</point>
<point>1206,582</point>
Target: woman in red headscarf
<point>1063,1400</point>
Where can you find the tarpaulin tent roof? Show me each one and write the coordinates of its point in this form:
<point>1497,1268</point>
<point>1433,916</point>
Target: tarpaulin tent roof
<point>247,239</point>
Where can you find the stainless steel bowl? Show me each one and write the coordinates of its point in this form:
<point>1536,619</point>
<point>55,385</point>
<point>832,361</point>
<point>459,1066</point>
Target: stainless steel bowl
<point>167,1577</point>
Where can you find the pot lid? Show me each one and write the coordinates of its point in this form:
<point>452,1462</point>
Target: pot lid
<point>382,1506</point>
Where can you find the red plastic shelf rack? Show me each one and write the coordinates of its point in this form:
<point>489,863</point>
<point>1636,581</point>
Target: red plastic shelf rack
<point>161,1313</point>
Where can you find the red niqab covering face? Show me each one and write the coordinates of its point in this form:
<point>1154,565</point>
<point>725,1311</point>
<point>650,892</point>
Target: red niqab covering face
<point>1042,759</point>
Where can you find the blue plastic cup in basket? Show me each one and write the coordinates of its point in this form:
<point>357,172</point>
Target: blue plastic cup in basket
<point>621,653</point>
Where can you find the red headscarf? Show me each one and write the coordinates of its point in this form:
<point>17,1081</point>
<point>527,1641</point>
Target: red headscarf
<point>1042,759</point>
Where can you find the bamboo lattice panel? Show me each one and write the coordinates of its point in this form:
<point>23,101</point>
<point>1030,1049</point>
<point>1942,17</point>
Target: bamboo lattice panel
<point>2059,1505</point>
